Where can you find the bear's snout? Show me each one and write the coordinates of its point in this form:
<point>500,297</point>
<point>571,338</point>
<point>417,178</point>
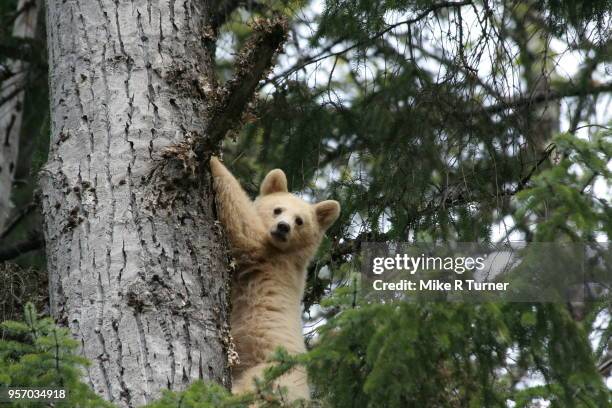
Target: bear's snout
<point>283,227</point>
<point>281,231</point>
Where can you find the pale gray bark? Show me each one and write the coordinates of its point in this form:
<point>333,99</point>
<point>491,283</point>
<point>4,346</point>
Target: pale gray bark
<point>137,267</point>
<point>11,111</point>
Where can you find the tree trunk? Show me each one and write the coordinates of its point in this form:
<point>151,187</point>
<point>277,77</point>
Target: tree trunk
<point>137,267</point>
<point>11,110</point>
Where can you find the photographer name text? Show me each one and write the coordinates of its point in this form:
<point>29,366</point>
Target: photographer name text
<point>436,285</point>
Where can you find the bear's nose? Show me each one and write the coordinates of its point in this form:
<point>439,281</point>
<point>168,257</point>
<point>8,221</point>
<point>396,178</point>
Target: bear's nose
<point>283,227</point>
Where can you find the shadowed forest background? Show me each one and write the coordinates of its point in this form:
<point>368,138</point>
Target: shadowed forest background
<point>429,121</point>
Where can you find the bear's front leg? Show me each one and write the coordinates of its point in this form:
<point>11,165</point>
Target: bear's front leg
<point>242,224</point>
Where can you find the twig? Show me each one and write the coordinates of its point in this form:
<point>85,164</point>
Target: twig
<point>523,183</point>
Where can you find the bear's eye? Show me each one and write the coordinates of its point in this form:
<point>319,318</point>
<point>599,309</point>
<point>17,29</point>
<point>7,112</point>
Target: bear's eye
<point>278,211</point>
<point>299,221</point>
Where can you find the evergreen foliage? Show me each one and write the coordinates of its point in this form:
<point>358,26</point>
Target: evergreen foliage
<point>429,121</point>
<point>454,355</point>
<point>35,353</point>
<point>568,189</point>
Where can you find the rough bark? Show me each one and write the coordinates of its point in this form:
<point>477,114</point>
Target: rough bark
<point>137,266</point>
<point>11,111</point>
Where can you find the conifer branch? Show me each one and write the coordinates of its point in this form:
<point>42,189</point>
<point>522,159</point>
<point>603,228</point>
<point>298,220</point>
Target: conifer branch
<point>325,53</point>
<point>565,92</point>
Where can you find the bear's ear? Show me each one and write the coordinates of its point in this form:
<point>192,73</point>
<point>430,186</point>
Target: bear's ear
<point>274,182</point>
<point>327,212</point>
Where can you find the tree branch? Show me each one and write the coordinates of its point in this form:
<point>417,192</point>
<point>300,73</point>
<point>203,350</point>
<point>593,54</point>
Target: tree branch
<point>565,92</point>
<point>22,247</point>
<point>13,93</point>
<point>252,64</point>
<point>460,198</point>
<point>323,54</point>
<point>18,218</point>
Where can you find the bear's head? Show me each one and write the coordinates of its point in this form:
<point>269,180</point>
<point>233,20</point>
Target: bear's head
<point>291,222</point>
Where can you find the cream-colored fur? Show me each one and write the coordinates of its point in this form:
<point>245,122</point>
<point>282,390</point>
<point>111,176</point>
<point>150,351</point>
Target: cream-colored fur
<point>269,281</point>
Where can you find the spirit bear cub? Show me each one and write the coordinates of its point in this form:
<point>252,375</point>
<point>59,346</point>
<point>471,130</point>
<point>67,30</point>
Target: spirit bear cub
<point>272,239</point>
